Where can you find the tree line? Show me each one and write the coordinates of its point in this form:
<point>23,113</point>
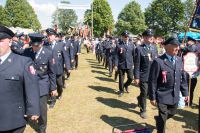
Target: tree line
<point>164,16</point>
<point>19,13</point>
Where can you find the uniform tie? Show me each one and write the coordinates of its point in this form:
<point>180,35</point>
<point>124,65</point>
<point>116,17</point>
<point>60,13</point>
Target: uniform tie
<point>172,60</point>
<point>0,61</point>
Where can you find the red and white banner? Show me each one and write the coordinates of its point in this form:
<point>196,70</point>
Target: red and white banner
<point>190,61</point>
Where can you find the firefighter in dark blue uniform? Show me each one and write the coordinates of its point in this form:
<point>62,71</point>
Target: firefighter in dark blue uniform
<point>43,63</point>
<point>99,50</point>
<point>16,47</point>
<point>144,55</point>
<point>76,50</point>
<point>19,87</point>
<point>165,83</point>
<point>59,59</point>
<point>124,62</point>
<point>69,52</point>
<point>112,51</point>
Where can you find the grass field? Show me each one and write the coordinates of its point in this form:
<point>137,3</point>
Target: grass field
<point>90,105</point>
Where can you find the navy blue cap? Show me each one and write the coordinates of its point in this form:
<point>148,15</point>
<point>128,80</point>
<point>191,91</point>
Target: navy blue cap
<point>61,34</point>
<point>191,39</point>
<point>20,34</point>
<point>51,31</point>
<point>172,41</point>
<point>5,32</point>
<point>125,33</point>
<point>148,32</point>
<point>36,38</point>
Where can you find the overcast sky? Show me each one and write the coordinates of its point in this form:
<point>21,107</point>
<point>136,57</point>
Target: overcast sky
<point>45,8</point>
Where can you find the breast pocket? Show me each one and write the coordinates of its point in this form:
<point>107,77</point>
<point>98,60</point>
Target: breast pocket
<point>12,78</point>
<point>43,67</point>
<point>59,54</point>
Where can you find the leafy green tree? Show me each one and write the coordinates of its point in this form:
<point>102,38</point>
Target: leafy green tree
<point>165,16</point>
<point>64,18</point>
<point>188,10</point>
<point>21,14</point>
<point>131,18</point>
<point>103,21</point>
<point>4,17</point>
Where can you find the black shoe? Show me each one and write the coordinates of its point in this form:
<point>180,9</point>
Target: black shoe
<point>126,88</point>
<point>121,93</point>
<point>64,86</point>
<point>59,97</point>
<point>138,102</point>
<point>143,115</point>
<point>51,106</point>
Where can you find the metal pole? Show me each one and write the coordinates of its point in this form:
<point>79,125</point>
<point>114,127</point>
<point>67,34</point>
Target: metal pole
<point>199,115</point>
<point>189,87</point>
<point>190,21</point>
<point>92,19</point>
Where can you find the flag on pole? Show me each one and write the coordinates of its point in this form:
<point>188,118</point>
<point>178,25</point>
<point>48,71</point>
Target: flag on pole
<point>195,23</point>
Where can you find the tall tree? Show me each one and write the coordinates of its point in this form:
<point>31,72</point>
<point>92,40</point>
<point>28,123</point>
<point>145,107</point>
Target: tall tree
<point>188,10</point>
<point>21,14</point>
<point>64,18</point>
<point>103,21</point>
<point>4,17</point>
<point>131,18</point>
<point>165,16</point>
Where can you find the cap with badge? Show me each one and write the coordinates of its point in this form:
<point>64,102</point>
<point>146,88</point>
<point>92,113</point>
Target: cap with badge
<point>125,33</point>
<point>36,38</point>
<point>20,35</point>
<point>172,41</point>
<point>148,32</point>
<point>5,33</point>
<point>191,39</point>
<point>51,31</point>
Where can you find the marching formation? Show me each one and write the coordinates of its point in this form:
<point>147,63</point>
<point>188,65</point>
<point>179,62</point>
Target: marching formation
<point>156,68</point>
<point>33,75</point>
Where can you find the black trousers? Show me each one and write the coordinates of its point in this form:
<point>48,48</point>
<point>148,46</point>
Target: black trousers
<point>59,82</point>
<point>99,57</point>
<point>192,88</point>
<point>17,130</point>
<point>110,64</point>
<point>165,112</point>
<point>142,98</point>
<point>129,73</point>
<point>42,122</point>
<point>76,61</point>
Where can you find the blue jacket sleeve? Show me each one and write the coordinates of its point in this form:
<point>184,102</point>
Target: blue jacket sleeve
<point>152,82</point>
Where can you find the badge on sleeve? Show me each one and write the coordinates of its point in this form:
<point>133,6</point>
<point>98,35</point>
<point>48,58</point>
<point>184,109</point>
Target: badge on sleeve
<point>32,70</point>
<point>72,45</point>
<point>9,60</point>
<point>149,55</point>
<point>53,61</point>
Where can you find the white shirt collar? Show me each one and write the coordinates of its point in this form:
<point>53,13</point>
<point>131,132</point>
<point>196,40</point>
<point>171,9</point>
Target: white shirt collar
<point>4,57</point>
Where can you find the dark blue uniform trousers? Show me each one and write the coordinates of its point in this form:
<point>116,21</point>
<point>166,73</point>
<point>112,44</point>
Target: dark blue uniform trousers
<point>17,130</point>
<point>43,114</point>
<point>129,73</point>
<point>165,112</point>
<point>142,98</point>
